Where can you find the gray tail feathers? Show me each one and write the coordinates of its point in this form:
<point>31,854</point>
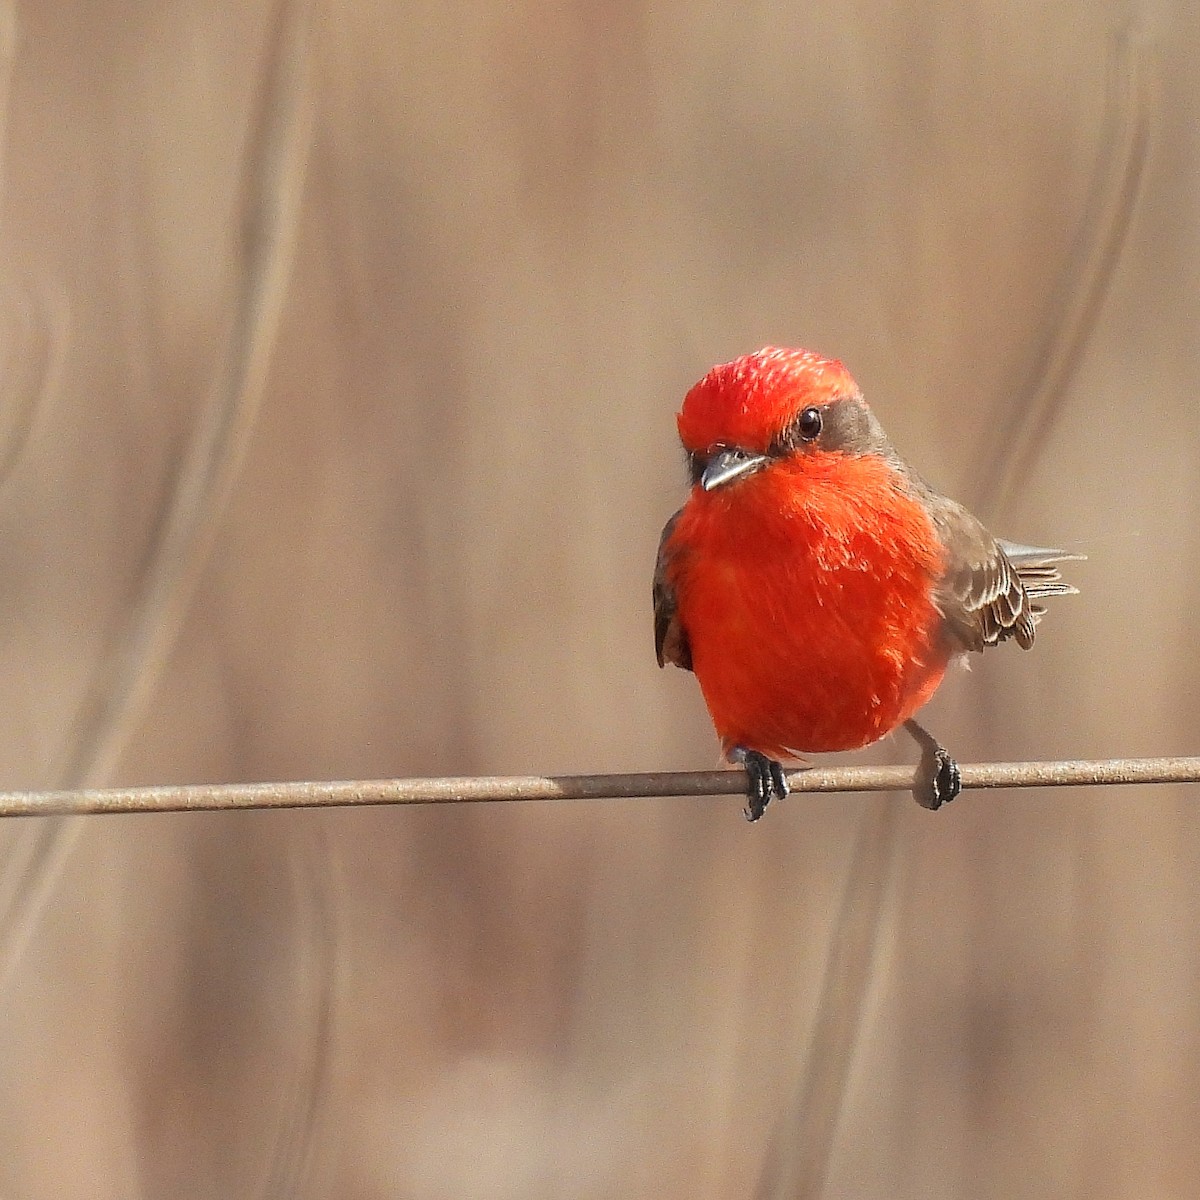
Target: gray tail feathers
<point>1037,568</point>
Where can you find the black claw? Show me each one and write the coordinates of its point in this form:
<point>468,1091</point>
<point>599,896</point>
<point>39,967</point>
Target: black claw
<point>938,778</point>
<point>948,779</point>
<point>764,779</point>
<point>777,778</point>
<point>940,781</point>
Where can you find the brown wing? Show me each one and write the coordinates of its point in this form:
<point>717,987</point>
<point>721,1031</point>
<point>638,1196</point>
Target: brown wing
<point>670,638</point>
<point>990,590</point>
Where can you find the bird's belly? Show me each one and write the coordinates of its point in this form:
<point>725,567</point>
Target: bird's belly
<point>795,656</point>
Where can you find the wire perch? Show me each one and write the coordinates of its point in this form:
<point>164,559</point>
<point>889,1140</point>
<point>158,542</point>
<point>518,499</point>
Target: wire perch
<point>482,789</point>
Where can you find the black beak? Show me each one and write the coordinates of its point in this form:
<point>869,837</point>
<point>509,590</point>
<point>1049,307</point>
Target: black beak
<point>727,465</point>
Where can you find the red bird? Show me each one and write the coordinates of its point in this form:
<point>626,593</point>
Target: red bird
<point>814,582</point>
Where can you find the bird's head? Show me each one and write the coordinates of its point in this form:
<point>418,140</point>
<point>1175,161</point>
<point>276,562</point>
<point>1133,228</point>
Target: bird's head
<point>769,406</point>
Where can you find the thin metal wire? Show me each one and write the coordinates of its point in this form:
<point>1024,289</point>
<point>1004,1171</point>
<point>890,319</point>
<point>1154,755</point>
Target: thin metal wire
<point>481,789</point>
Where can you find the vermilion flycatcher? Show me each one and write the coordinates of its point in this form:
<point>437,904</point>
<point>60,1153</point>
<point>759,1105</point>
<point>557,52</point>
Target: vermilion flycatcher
<point>814,582</point>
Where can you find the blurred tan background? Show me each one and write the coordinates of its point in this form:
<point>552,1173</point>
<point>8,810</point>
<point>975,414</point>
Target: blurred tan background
<point>340,347</point>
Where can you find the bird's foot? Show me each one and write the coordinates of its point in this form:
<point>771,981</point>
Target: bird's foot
<point>764,779</point>
<point>938,778</point>
<point>939,781</point>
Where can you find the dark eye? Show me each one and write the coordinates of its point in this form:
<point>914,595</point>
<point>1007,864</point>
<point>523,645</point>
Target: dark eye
<point>808,424</point>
